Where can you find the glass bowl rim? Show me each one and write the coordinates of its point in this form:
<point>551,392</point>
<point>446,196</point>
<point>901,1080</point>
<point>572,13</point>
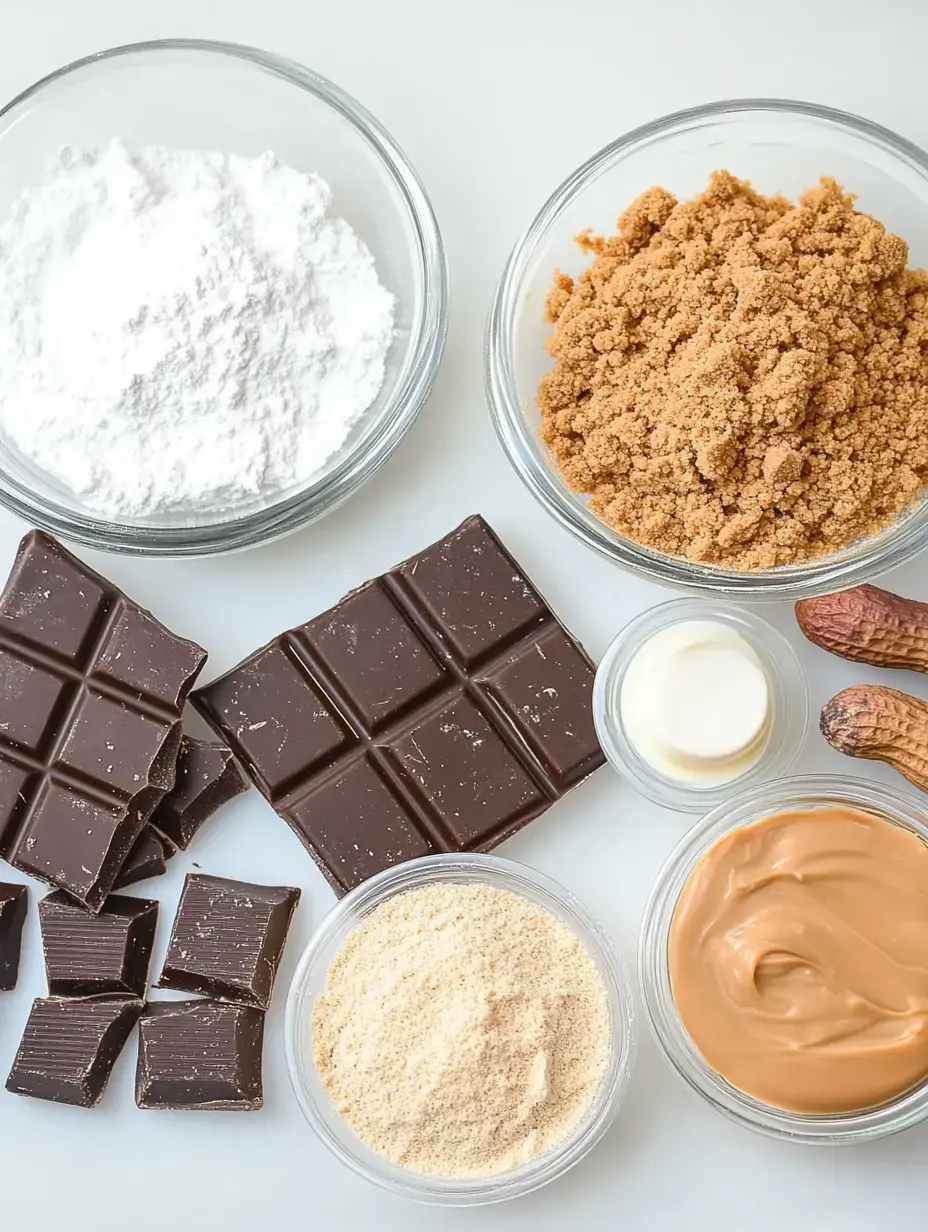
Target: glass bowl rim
<point>857,563</point>
<point>520,879</point>
<point>895,805</point>
<point>398,413</point>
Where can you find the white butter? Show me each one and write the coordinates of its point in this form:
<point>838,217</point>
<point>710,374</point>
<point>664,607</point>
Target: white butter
<point>696,703</point>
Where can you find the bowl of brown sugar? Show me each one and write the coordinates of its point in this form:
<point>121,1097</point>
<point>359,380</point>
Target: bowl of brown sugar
<point>708,355</point>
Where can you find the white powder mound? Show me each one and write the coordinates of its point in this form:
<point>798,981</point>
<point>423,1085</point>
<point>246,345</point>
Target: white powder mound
<point>184,331</point>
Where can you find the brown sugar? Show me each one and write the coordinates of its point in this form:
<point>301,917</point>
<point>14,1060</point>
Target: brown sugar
<point>740,380</point>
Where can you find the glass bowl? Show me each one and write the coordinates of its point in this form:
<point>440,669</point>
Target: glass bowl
<point>186,94</point>
<point>781,146</point>
<point>801,792</point>
<point>309,982</point>
<point>788,693</point>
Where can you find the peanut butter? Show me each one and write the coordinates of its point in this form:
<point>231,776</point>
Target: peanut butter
<point>799,959</point>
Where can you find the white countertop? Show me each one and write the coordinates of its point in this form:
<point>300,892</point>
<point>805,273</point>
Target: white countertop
<point>494,102</point>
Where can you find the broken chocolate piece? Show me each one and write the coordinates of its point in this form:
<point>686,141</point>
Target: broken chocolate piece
<point>228,939</point>
<point>91,690</point>
<point>14,904</point>
<point>207,778</point>
<point>200,1055</point>
<point>69,1048</point>
<point>438,708</point>
<point>89,955</point>
<point>148,858</point>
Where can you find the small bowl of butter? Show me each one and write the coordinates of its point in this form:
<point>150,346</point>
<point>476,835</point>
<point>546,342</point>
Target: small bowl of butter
<point>695,699</point>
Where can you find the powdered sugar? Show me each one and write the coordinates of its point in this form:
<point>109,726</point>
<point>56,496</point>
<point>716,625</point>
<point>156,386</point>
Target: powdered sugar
<point>184,331</point>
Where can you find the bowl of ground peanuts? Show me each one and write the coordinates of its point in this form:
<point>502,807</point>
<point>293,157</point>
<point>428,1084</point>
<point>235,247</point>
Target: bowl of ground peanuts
<point>708,355</point>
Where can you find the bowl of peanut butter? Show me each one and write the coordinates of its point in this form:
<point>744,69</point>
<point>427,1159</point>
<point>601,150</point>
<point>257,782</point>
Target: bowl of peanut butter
<point>784,959</point>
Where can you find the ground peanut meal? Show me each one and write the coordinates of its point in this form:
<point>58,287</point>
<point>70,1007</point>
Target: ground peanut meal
<point>740,380</point>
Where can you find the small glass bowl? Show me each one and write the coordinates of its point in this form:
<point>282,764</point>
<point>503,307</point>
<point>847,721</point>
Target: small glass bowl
<point>192,94</point>
<point>781,146</point>
<point>802,792</point>
<point>789,703</point>
<point>309,982</point>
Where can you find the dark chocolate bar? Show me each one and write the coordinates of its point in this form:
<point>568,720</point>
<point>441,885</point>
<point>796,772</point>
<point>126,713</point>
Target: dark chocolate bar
<point>207,778</point>
<point>438,708</point>
<point>200,1055</point>
<point>90,955</point>
<point>69,1048</point>
<point>14,905</point>
<point>148,858</point>
<point>228,939</point>
<point>91,693</point>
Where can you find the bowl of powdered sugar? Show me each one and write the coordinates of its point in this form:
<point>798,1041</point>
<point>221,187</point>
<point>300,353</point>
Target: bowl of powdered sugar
<point>460,1031</point>
<point>222,298</point>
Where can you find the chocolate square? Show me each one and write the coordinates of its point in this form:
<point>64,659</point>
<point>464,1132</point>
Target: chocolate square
<point>404,671</point>
<point>394,725</point>
<point>540,687</point>
<point>354,825</point>
<point>280,724</point>
<point>93,688</point>
<point>110,743</point>
<point>228,939</point>
<point>90,955</point>
<point>69,1048</point>
<point>200,1055</point>
<point>466,776</point>
<point>475,596</point>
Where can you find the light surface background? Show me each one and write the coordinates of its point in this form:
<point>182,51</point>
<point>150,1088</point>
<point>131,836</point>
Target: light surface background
<point>494,103</point>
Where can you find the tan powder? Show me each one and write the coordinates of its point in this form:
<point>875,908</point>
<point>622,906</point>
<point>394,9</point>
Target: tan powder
<point>463,1030</point>
<point>740,380</point>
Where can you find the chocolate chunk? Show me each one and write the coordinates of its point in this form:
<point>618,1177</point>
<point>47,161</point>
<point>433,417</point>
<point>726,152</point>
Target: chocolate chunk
<point>200,1055</point>
<point>440,707</point>
<point>228,939</point>
<point>89,955</point>
<point>91,693</point>
<point>207,778</point>
<point>69,1048</point>
<point>148,858</point>
<point>14,904</point>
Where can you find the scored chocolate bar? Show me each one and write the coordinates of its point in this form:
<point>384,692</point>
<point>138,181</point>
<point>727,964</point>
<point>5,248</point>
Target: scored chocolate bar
<point>91,693</point>
<point>440,707</point>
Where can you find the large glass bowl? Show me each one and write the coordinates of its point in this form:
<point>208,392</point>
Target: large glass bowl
<point>309,981</point>
<point>780,146</point>
<point>189,94</point>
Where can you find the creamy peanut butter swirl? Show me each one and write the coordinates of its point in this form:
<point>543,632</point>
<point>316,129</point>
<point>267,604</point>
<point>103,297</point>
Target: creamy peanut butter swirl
<point>799,959</point>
